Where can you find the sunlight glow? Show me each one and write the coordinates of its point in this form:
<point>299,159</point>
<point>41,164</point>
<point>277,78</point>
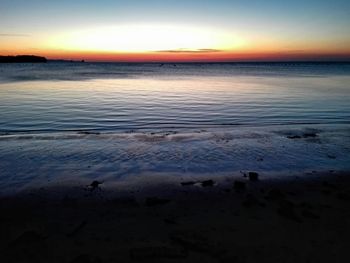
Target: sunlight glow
<point>146,38</point>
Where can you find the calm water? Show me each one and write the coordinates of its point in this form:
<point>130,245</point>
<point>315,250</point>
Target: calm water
<point>109,97</point>
<point>188,121</point>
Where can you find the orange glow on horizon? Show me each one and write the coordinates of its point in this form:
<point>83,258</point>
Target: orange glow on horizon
<point>196,56</point>
<point>187,55</point>
<point>171,43</point>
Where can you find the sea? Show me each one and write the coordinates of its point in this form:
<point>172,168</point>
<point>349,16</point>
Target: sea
<point>71,122</point>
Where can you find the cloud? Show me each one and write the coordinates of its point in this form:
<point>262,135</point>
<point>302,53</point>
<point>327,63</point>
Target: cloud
<point>184,50</point>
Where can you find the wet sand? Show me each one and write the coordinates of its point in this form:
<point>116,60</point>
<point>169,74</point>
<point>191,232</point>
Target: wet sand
<point>305,218</point>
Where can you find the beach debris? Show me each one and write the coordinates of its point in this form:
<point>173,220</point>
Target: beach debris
<point>88,133</point>
<point>310,135</point>
<point>208,183</point>
<point>239,185</point>
<point>94,185</point>
<point>304,135</point>
<point>188,183</point>
<point>294,137</point>
<point>286,209</point>
<point>243,173</point>
<point>153,201</point>
<point>157,252</point>
<point>253,176</point>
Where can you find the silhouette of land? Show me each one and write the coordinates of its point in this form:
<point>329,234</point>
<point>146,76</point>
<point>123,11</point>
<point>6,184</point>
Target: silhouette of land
<point>22,59</point>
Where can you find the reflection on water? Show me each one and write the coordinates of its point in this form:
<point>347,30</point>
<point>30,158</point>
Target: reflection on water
<point>190,121</point>
<point>149,98</point>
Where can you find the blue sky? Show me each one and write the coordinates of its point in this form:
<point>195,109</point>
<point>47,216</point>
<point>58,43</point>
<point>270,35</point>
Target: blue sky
<point>18,14</point>
<point>291,22</point>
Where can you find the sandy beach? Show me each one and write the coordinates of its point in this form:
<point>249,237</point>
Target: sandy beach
<point>240,218</point>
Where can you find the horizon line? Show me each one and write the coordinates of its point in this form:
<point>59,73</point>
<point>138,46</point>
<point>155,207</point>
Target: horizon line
<point>326,58</point>
<point>199,62</point>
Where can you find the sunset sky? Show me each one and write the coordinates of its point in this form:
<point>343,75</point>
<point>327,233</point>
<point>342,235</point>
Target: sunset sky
<point>164,30</point>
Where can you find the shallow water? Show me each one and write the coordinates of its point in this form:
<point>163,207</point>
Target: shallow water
<point>119,97</point>
<point>77,122</point>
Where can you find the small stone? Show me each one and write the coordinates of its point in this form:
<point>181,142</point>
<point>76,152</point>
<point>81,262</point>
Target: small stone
<point>88,133</point>
<point>94,185</point>
<point>253,176</point>
<point>188,183</point>
<point>310,135</point>
<point>208,183</point>
<point>294,137</point>
<point>330,156</point>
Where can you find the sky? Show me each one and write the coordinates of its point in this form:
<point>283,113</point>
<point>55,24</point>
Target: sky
<point>154,30</point>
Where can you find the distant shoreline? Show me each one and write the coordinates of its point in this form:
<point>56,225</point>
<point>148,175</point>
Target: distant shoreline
<point>22,59</point>
<point>40,59</point>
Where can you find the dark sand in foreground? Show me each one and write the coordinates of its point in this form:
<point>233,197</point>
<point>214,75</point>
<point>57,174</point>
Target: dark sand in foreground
<point>297,220</point>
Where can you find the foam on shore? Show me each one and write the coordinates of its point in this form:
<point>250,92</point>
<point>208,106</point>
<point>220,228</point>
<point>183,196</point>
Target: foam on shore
<point>78,158</point>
